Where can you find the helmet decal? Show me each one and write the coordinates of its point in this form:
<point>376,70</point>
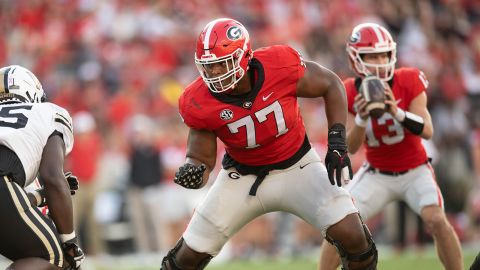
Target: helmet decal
<point>234,33</point>
<point>355,37</point>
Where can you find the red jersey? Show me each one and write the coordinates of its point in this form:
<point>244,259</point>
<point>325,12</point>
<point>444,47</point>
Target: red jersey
<point>391,147</point>
<point>261,127</point>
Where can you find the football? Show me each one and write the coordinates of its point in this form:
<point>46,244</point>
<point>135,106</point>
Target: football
<point>373,92</point>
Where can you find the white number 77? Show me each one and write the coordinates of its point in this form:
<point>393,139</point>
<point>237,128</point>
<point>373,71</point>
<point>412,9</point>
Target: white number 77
<point>261,116</point>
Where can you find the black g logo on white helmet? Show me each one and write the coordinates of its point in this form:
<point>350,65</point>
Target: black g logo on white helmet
<point>234,33</point>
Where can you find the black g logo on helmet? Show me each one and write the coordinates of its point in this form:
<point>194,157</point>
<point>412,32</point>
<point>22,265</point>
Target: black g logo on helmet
<point>234,33</point>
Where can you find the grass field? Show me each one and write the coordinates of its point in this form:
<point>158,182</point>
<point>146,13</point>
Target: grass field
<point>410,260</point>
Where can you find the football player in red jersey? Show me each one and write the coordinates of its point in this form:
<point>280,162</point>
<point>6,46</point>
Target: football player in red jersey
<point>248,99</point>
<point>397,165</point>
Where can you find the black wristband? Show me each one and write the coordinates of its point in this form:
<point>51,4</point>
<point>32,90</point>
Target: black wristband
<point>413,123</point>
<point>336,137</point>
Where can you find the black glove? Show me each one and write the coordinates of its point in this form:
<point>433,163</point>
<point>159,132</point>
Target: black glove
<point>337,157</point>
<point>72,182</point>
<point>190,176</point>
<point>73,253</point>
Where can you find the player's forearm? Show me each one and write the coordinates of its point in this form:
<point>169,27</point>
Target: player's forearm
<point>418,123</point>
<point>197,162</point>
<point>427,132</point>
<point>355,138</point>
<point>336,106</point>
<point>57,191</point>
<point>60,204</point>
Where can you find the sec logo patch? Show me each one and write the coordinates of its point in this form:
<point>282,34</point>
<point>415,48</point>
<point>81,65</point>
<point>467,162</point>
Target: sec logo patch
<point>226,114</point>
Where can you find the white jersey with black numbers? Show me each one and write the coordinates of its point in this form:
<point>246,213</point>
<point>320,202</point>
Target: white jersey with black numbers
<point>26,127</point>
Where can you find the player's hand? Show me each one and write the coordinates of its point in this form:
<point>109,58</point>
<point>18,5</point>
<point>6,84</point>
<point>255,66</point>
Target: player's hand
<point>360,105</point>
<point>72,182</point>
<point>74,255</point>
<point>39,194</point>
<point>337,160</point>
<point>190,176</point>
<point>390,102</point>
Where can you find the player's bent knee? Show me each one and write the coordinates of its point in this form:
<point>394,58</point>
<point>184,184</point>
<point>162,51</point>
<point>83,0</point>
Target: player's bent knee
<point>436,223</point>
<point>364,260</point>
<point>181,257</point>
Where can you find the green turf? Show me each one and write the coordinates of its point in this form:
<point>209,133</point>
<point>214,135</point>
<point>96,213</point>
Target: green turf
<point>409,262</point>
<point>400,263</point>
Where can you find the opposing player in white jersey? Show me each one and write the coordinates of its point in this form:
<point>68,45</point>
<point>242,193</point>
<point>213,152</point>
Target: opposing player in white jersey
<point>35,137</point>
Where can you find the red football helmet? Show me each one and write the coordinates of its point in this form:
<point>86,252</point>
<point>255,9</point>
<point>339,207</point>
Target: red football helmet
<point>227,42</point>
<point>372,38</point>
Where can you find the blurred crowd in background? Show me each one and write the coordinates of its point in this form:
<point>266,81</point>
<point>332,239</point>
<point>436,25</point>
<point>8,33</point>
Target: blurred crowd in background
<point>119,66</point>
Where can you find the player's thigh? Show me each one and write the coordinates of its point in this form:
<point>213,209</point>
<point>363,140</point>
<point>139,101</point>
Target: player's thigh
<point>25,231</point>
<point>370,192</point>
<point>305,191</point>
<point>421,189</point>
<point>226,208</point>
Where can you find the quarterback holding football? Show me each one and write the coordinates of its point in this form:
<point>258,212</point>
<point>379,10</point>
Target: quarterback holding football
<point>397,166</point>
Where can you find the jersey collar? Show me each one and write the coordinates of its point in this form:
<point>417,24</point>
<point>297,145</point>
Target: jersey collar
<point>248,98</point>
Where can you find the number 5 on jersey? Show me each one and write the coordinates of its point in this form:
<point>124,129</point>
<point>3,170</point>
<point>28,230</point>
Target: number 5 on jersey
<point>14,119</point>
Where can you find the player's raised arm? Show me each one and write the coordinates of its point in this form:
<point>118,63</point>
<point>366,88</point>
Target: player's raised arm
<point>201,157</point>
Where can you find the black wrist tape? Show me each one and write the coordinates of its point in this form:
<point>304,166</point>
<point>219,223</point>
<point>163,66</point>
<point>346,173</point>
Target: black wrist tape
<point>337,137</point>
<point>413,123</point>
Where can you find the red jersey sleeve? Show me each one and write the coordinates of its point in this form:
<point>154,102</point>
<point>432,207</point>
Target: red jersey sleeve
<point>189,110</point>
<point>415,82</point>
<point>290,58</point>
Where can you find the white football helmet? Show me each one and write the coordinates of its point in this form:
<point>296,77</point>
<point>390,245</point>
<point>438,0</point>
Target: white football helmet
<point>18,84</point>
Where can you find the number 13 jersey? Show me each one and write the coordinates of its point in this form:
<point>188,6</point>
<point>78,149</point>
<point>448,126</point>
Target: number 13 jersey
<point>26,127</point>
<point>391,147</point>
<point>261,127</point>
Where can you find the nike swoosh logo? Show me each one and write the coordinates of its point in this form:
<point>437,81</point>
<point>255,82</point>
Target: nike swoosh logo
<point>303,166</point>
<point>266,97</point>
<point>398,101</point>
